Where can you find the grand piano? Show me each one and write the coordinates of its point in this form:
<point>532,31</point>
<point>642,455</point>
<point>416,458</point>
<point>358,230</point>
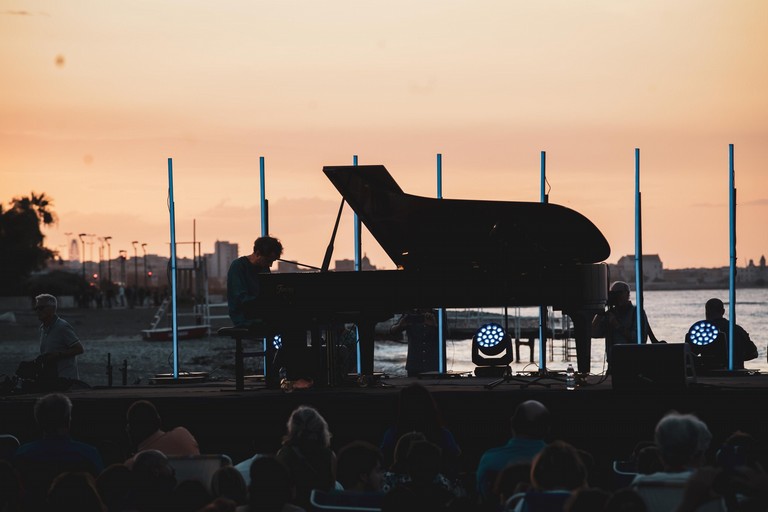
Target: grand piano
<point>449,253</point>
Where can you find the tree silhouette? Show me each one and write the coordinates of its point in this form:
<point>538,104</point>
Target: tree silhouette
<point>21,241</point>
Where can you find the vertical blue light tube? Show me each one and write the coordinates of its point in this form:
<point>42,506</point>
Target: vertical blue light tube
<point>358,267</point>
<point>732,243</point>
<point>358,241</point>
<point>264,227</point>
<point>638,252</point>
<point>440,315</point>
<point>174,311</point>
<point>542,309</point>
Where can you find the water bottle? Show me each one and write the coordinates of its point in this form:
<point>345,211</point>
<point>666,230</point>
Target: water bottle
<point>570,378</point>
<point>285,384</point>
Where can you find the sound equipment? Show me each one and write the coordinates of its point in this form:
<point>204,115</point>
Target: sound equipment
<point>658,366</point>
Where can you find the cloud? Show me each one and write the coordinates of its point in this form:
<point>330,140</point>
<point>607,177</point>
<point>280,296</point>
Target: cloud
<point>755,202</point>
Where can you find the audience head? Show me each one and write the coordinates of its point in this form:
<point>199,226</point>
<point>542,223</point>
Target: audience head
<point>53,414</point>
<point>558,467</point>
<point>152,466</point>
<point>423,462</point>
<point>359,467</point>
<point>228,482</point>
<point>114,484</point>
<point>683,440</point>
<point>417,410</point>
<point>714,309</point>
<point>307,427</point>
<point>625,500</point>
<point>511,480</point>
<point>649,460</point>
<point>271,485</point>
<point>587,500</point>
<point>190,496</point>
<point>10,487</point>
<point>143,420</point>
<point>75,491</point>
<point>402,447</point>
<point>531,420</point>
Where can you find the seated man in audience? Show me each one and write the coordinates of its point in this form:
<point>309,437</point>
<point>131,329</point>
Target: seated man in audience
<point>145,433</point>
<point>530,425</point>
<point>359,467</point>
<point>683,440</point>
<point>39,462</point>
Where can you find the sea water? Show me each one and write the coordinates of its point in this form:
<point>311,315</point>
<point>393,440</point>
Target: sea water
<point>670,314</point>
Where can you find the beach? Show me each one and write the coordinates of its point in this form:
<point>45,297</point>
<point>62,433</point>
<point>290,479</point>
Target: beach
<point>116,334</point>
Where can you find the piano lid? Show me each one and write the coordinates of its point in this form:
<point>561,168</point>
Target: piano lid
<point>422,233</point>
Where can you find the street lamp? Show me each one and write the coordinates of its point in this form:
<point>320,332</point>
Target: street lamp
<point>109,258</point>
<point>80,236</point>
<point>144,248</point>
<point>136,264</point>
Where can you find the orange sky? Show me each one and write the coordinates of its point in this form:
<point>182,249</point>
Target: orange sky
<point>95,96</point>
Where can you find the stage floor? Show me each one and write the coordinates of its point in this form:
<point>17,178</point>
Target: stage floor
<point>605,422</point>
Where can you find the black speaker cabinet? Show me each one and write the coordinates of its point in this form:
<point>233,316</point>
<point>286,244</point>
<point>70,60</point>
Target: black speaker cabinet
<point>659,366</point>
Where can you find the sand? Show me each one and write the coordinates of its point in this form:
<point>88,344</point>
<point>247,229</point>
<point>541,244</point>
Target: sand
<point>116,333</point>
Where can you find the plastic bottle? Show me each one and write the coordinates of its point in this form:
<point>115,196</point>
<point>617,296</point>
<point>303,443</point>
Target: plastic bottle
<point>570,378</point>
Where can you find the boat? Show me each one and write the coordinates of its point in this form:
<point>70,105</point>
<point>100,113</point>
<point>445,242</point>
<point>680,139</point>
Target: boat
<point>185,332</point>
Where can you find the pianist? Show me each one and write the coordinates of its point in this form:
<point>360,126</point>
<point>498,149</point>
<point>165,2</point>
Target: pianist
<point>243,296</point>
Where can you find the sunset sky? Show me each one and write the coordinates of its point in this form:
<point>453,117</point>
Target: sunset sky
<point>96,96</point>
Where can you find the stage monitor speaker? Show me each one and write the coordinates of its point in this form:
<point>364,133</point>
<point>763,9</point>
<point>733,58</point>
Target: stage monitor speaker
<point>659,366</point>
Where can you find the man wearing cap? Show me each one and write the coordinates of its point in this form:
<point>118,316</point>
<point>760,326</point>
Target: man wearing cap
<point>619,323</point>
<point>59,344</point>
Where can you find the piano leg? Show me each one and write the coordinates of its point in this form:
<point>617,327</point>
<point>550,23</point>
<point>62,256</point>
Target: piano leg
<point>582,327</point>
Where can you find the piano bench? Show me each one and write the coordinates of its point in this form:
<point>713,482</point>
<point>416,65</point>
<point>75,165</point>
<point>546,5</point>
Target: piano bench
<point>239,334</point>
<point>530,343</point>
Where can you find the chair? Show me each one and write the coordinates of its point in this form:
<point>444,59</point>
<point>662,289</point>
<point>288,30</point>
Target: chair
<point>8,445</point>
<point>623,472</point>
<point>667,495</point>
<point>198,467</point>
<point>345,501</point>
<point>239,334</point>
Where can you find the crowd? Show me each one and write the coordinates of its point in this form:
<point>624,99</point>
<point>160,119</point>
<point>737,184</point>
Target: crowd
<point>415,468</point>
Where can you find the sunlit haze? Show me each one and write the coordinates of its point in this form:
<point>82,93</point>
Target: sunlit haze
<point>96,96</point>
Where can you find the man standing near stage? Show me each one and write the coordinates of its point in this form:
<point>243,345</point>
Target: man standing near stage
<point>715,355</point>
<point>59,344</point>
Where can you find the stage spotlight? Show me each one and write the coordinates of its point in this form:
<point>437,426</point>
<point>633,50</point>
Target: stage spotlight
<point>702,333</point>
<point>277,342</point>
<point>491,351</point>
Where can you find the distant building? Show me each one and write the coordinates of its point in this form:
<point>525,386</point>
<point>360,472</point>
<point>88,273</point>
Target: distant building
<point>349,265</point>
<point>753,274</point>
<point>224,253</point>
<point>653,269</point>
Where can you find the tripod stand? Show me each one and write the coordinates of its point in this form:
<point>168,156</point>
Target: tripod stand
<point>508,377</point>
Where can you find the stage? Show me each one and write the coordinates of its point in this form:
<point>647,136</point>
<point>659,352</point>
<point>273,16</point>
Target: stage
<point>605,422</point>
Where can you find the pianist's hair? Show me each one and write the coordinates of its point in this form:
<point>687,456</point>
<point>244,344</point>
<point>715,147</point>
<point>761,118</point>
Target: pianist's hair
<point>267,245</point>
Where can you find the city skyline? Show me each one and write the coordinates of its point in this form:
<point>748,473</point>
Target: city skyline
<point>96,97</point>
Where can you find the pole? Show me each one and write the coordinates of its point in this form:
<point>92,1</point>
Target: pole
<point>264,225</point>
<point>144,248</point>
<point>357,247</point>
<point>638,251</point>
<point>543,309</point>
<point>357,227</point>
<point>440,323</point>
<point>82,242</point>
<point>135,270</point>
<point>174,309</point>
<point>109,259</point>
<point>732,244</point>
